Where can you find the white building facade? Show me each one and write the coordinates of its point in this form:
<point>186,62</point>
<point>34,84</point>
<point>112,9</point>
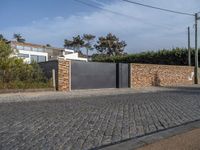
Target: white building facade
<point>29,52</point>
<point>39,53</point>
<point>71,55</point>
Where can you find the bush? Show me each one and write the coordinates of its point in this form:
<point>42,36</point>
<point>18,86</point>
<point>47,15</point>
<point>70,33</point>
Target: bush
<point>25,85</point>
<point>14,73</point>
<point>177,56</point>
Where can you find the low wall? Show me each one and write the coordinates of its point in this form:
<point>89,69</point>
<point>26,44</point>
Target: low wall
<point>47,68</point>
<point>144,75</point>
<point>62,73</point>
<point>141,75</point>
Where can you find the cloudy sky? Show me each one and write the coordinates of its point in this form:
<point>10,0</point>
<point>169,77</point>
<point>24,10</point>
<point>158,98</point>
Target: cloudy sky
<point>52,21</point>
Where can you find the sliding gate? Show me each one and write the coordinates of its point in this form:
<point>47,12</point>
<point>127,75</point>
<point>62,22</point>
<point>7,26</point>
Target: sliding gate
<point>94,75</point>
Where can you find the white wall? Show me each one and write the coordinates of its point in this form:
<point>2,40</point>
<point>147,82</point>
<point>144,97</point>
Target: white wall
<point>74,56</point>
<point>28,60</point>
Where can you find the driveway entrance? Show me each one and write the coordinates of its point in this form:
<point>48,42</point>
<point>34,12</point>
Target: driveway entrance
<point>94,75</point>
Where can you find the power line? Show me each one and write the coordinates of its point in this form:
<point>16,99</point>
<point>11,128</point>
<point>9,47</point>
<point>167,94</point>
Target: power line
<point>120,14</point>
<point>163,9</point>
<point>94,6</point>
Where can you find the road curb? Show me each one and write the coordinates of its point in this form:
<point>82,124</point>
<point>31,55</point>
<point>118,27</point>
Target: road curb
<point>12,91</point>
<point>137,142</point>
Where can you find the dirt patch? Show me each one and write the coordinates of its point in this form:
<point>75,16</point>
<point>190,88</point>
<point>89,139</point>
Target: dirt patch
<point>186,141</point>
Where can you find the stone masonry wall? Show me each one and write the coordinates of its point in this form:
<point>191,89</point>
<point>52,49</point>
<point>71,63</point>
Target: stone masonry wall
<point>144,75</point>
<point>64,75</point>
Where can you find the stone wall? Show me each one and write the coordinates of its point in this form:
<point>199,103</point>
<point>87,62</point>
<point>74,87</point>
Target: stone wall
<point>64,75</point>
<point>144,75</point>
<point>141,75</point>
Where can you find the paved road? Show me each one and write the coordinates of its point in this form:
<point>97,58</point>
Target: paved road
<point>90,122</point>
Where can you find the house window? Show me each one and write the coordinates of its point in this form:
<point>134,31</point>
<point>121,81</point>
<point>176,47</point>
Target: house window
<point>41,58</point>
<point>23,55</point>
<point>19,47</point>
<point>40,50</point>
<point>37,58</point>
<point>27,48</point>
<point>34,58</point>
<point>35,49</point>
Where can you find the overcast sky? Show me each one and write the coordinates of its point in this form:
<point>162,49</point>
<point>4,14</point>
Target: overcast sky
<point>51,21</point>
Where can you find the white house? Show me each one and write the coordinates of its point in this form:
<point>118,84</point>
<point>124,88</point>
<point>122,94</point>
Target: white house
<point>29,52</point>
<point>40,53</point>
<point>71,55</point>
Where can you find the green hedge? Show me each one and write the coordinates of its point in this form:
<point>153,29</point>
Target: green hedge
<point>177,56</point>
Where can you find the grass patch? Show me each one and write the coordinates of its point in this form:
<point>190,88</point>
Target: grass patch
<point>25,85</point>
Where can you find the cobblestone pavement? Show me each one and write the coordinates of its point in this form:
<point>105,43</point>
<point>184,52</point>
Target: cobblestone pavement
<point>90,122</point>
<point>40,96</point>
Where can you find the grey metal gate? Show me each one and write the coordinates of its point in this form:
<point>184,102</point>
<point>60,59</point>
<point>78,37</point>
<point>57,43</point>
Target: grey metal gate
<point>123,75</point>
<point>94,75</point>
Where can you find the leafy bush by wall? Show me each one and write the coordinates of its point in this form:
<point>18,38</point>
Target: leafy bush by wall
<point>14,73</point>
<point>177,56</point>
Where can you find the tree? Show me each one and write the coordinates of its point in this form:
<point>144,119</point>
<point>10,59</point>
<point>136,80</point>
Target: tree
<point>76,44</point>
<point>68,44</point>
<point>2,38</point>
<point>110,45</point>
<point>48,45</point>
<point>14,69</point>
<point>5,50</point>
<point>5,60</point>
<point>88,38</point>
<point>19,38</point>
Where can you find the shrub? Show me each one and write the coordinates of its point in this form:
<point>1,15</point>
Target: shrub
<point>177,56</point>
<point>25,85</point>
<point>14,73</point>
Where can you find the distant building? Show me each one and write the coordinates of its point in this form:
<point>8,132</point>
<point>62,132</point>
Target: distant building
<point>71,55</point>
<point>40,53</point>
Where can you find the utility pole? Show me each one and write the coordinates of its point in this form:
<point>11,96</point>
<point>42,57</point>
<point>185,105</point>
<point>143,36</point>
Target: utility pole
<point>196,72</point>
<point>189,49</point>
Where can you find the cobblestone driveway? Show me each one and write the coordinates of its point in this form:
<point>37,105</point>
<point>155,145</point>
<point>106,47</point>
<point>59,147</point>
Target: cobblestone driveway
<point>86,123</point>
